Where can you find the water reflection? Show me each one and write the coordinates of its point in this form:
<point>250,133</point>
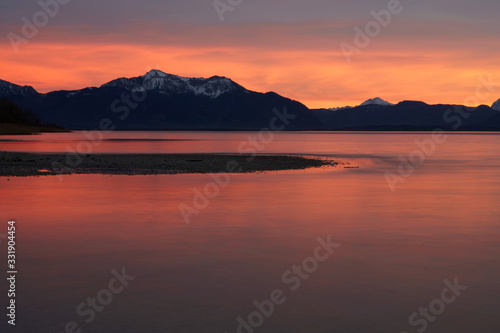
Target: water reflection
<point>397,248</point>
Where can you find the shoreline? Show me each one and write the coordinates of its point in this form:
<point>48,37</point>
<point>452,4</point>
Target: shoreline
<point>8,129</point>
<point>16,164</point>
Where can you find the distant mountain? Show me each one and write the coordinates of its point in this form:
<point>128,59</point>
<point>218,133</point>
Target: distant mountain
<point>169,84</point>
<point>410,116</point>
<point>373,101</point>
<point>161,101</point>
<point>9,89</point>
<point>496,105</point>
<point>376,101</point>
<point>341,108</point>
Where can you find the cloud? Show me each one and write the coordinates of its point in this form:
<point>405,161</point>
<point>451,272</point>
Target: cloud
<point>433,51</point>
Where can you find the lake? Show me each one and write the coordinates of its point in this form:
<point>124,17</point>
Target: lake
<point>409,241</point>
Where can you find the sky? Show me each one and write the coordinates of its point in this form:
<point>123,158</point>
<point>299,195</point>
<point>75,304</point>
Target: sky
<point>323,53</point>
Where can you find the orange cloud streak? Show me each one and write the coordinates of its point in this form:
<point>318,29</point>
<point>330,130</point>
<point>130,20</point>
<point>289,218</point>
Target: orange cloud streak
<point>317,78</point>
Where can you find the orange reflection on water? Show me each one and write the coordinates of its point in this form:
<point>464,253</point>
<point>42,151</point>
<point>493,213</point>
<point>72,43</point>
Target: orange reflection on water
<point>397,248</point>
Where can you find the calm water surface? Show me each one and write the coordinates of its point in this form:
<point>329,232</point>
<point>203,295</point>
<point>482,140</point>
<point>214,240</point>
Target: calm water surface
<point>397,248</point>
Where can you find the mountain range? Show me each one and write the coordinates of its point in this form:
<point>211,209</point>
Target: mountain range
<point>372,101</point>
<point>161,101</point>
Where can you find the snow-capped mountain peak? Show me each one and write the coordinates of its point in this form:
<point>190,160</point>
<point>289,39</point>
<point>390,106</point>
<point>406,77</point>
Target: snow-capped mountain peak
<point>373,101</point>
<point>376,101</point>
<point>154,73</point>
<point>172,84</point>
<point>496,105</point>
<point>10,89</point>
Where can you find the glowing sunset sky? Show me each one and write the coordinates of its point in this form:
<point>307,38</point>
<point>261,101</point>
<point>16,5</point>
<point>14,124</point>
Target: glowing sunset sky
<point>434,51</point>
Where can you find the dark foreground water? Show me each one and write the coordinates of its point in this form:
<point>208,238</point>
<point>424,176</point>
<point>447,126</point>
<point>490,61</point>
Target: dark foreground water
<point>251,248</point>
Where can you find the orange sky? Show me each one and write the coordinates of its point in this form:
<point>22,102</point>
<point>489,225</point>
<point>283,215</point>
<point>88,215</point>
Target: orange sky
<point>302,61</point>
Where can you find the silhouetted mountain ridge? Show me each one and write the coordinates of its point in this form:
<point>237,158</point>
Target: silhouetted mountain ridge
<point>411,116</point>
<point>156,80</point>
<point>10,89</point>
<point>161,101</point>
